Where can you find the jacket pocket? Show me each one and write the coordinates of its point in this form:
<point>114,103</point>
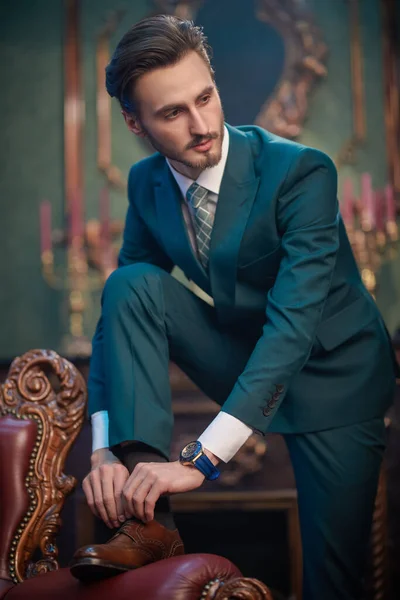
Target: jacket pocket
<point>346,324</point>
<point>261,272</point>
<point>273,256</point>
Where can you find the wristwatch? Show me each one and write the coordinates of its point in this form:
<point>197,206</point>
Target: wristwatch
<point>193,454</point>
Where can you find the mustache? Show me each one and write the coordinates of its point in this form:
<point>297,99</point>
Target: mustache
<point>200,139</point>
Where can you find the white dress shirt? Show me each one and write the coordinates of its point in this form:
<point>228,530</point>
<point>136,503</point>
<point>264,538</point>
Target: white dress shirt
<point>225,434</point>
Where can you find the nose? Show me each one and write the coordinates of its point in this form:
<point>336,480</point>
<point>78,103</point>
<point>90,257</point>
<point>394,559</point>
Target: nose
<point>198,125</point>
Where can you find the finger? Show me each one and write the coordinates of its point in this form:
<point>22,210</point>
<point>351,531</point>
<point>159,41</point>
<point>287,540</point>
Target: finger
<point>150,502</point>
<point>135,479</point>
<point>98,497</point>
<point>87,489</point>
<point>107,490</point>
<point>129,491</point>
<point>120,479</point>
<point>131,501</point>
<point>140,495</point>
<point>125,510</point>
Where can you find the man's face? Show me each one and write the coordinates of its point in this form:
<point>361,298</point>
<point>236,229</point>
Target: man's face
<point>180,112</point>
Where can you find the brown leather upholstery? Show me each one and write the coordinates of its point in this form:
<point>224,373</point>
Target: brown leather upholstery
<point>5,585</point>
<point>179,578</point>
<point>17,438</point>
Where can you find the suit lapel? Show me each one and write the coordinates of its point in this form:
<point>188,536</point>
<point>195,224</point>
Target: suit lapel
<point>173,230</point>
<point>237,193</point>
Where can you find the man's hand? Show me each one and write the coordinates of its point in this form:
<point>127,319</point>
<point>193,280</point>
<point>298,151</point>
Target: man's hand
<point>103,487</point>
<point>150,480</point>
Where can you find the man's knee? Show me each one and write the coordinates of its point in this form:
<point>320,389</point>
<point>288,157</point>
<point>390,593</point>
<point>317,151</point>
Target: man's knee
<point>132,283</point>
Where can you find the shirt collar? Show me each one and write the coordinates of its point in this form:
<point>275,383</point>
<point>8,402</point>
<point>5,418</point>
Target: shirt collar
<point>209,178</point>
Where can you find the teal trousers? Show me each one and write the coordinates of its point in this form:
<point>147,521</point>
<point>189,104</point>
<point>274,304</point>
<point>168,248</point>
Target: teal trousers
<point>149,318</point>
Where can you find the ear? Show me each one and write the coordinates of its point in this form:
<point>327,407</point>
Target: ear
<point>133,124</point>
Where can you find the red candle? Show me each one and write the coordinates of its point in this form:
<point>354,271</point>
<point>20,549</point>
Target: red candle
<point>45,226</point>
<point>368,199</point>
<point>390,203</point>
<point>379,210</point>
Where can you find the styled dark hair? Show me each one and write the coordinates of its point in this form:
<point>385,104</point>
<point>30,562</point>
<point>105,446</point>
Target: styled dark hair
<point>152,43</point>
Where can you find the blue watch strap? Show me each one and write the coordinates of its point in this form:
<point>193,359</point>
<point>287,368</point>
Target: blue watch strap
<point>204,464</point>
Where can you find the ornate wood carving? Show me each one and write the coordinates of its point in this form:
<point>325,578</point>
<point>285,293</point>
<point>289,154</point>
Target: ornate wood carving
<point>48,389</point>
<point>240,588</point>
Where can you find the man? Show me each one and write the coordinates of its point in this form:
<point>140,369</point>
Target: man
<point>293,344</point>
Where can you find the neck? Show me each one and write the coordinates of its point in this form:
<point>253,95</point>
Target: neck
<point>191,172</point>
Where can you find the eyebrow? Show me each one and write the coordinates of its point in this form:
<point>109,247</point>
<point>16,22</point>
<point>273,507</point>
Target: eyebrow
<point>168,107</point>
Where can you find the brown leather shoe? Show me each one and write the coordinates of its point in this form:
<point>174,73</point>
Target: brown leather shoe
<point>134,545</point>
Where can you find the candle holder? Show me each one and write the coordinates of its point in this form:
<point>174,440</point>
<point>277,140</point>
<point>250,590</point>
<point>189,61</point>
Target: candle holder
<point>90,258</point>
<point>371,225</point>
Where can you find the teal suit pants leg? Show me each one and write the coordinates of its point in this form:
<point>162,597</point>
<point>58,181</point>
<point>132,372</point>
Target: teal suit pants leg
<point>149,318</point>
<point>337,474</point>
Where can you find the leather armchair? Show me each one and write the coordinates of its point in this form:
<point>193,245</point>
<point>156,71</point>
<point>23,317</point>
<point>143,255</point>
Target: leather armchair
<point>42,408</point>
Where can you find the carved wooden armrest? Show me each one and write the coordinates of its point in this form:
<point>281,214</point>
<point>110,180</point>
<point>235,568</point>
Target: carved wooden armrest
<point>42,404</point>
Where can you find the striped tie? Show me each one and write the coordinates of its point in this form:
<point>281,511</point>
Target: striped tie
<point>203,220</point>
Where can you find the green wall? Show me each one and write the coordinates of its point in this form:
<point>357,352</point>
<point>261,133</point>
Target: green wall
<point>330,118</point>
<point>31,165</point>
<point>31,168</point>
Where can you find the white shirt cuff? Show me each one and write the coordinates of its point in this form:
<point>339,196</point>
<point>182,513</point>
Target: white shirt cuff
<point>100,430</point>
<point>225,436</point>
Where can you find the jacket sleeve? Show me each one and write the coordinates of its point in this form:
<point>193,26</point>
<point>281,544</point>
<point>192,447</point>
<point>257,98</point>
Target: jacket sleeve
<point>307,217</point>
<point>138,246</point>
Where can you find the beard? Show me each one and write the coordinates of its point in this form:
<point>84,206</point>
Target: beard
<point>210,159</point>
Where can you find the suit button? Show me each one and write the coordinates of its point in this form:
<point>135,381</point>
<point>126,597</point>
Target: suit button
<point>266,412</point>
<point>279,388</point>
<point>275,396</point>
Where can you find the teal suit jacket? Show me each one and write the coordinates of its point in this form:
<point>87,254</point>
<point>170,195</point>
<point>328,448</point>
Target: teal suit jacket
<point>280,263</point>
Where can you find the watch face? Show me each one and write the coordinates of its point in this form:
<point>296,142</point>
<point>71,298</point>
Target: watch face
<point>191,450</point>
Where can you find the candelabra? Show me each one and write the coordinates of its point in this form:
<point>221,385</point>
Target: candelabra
<point>371,225</point>
<point>90,256</point>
